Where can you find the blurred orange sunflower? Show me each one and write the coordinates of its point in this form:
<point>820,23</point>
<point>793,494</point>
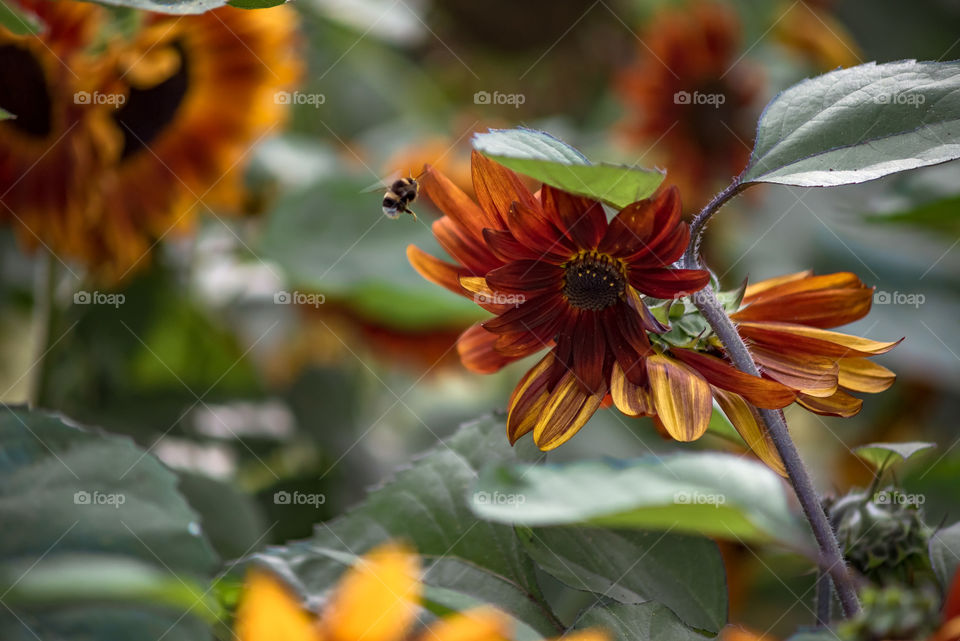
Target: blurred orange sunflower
<point>690,96</point>
<point>119,140</point>
<point>377,599</point>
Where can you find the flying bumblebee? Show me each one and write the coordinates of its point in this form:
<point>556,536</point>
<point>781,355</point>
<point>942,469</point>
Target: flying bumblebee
<point>401,192</point>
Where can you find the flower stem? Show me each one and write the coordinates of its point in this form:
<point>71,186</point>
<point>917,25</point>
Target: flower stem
<point>824,598</point>
<point>831,558</point>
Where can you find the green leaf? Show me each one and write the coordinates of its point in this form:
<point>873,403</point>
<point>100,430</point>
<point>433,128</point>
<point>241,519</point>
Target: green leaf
<point>941,216</point>
<point>858,124</point>
<point>644,622</point>
<point>255,4</point>
<point>541,156</point>
<point>706,493</point>
<point>945,554</point>
<point>880,455</point>
<point>427,505</point>
<point>684,573</point>
<point>19,23</point>
<point>332,239</point>
<point>73,493</point>
<point>179,7</point>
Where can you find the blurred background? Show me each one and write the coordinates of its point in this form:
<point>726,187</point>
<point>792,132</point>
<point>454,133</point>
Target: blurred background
<point>190,255</point>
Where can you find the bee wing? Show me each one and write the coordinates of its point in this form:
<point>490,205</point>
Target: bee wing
<point>380,185</point>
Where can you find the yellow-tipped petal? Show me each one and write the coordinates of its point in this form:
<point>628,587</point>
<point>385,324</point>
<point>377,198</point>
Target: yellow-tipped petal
<point>763,285</point>
<point>840,404</point>
<point>745,419</point>
<point>681,397</point>
<point>630,399</point>
<point>377,599</point>
<point>593,634</point>
<point>480,624</point>
<point>477,285</point>
<point>269,612</point>
<point>567,409</point>
<point>861,375</point>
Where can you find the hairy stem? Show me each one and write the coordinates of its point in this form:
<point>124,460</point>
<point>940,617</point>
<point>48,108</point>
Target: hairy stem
<point>831,558</point>
<point>824,599</point>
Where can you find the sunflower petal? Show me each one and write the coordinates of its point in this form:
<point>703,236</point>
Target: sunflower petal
<point>526,276</point>
<point>527,315</point>
<point>746,420</point>
<point>817,308</point>
<point>668,283</point>
<point>507,248</point>
<point>479,624</point>
<point>761,392</point>
<point>754,289</point>
<point>589,350</point>
<point>477,350</point>
<point>840,404</point>
<point>631,399</point>
<point>681,397</point>
<point>807,373</point>
<point>528,399</point>
<point>649,321</point>
<point>802,282</point>
<point>451,200</point>
<point>497,188</point>
<point>437,271</point>
<point>862,375</point>
<point>798,338</point>
<point>567,409</point>
<point>385,581</point>
<point>269,611</point>
<point>464,248</point>
<point>583,220</point>
<point>533,230</point>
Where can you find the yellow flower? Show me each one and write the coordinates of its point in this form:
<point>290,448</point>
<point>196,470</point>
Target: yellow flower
<point>376,600</point>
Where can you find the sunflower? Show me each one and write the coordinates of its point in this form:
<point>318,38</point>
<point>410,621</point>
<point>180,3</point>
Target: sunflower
<point>557,274</point>
<point>690,95</point>
<point>163,124</point>
<point>376,600</point>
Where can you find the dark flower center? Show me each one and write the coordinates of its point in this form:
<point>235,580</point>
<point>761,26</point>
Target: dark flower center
<point>23,91</point>
<point>147,112</point>
<point>593,281</point>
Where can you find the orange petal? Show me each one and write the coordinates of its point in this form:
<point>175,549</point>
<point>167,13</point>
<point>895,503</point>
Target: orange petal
<point>822,308</point>
<point>476,348</point>
<point>840,404</point>
<point>451,200</point>
<point>479,624</point>
<point>268,611</point>
<point>593,634</point>
<point>567,409</point>
<point>862,375</point>
<point>681,397</point>
<point>467,250</point>
<point>528,399</point>
<point>497,188</point>
<point>630,399</point>
<point>746,420</point>
<point>798,338</point>
<point>764,285</point>
<point>759,391</point>
<point>377,599</point>
<point>436,270</point>
<point>807,373</point>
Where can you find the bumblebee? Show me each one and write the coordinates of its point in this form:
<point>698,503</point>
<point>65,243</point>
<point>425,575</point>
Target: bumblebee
<point>400,194</point>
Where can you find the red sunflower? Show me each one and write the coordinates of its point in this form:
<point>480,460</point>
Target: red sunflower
<point>557,274</point>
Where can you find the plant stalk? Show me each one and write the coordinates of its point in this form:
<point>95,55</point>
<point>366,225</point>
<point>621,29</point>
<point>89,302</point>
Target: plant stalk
<point>824,599</point>
<point>831,558</point>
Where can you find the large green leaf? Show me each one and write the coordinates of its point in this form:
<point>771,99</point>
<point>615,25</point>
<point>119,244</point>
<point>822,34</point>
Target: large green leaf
<point>684,573</point>
<point>427,505</point>
<point>332,239</point>
<point>945,554</point>
<point>643,622</point>
<point>541,156</point>
<point>858,124</point>
<point>68,494</point>
<point>180,7</point>
<point>707,493</point>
